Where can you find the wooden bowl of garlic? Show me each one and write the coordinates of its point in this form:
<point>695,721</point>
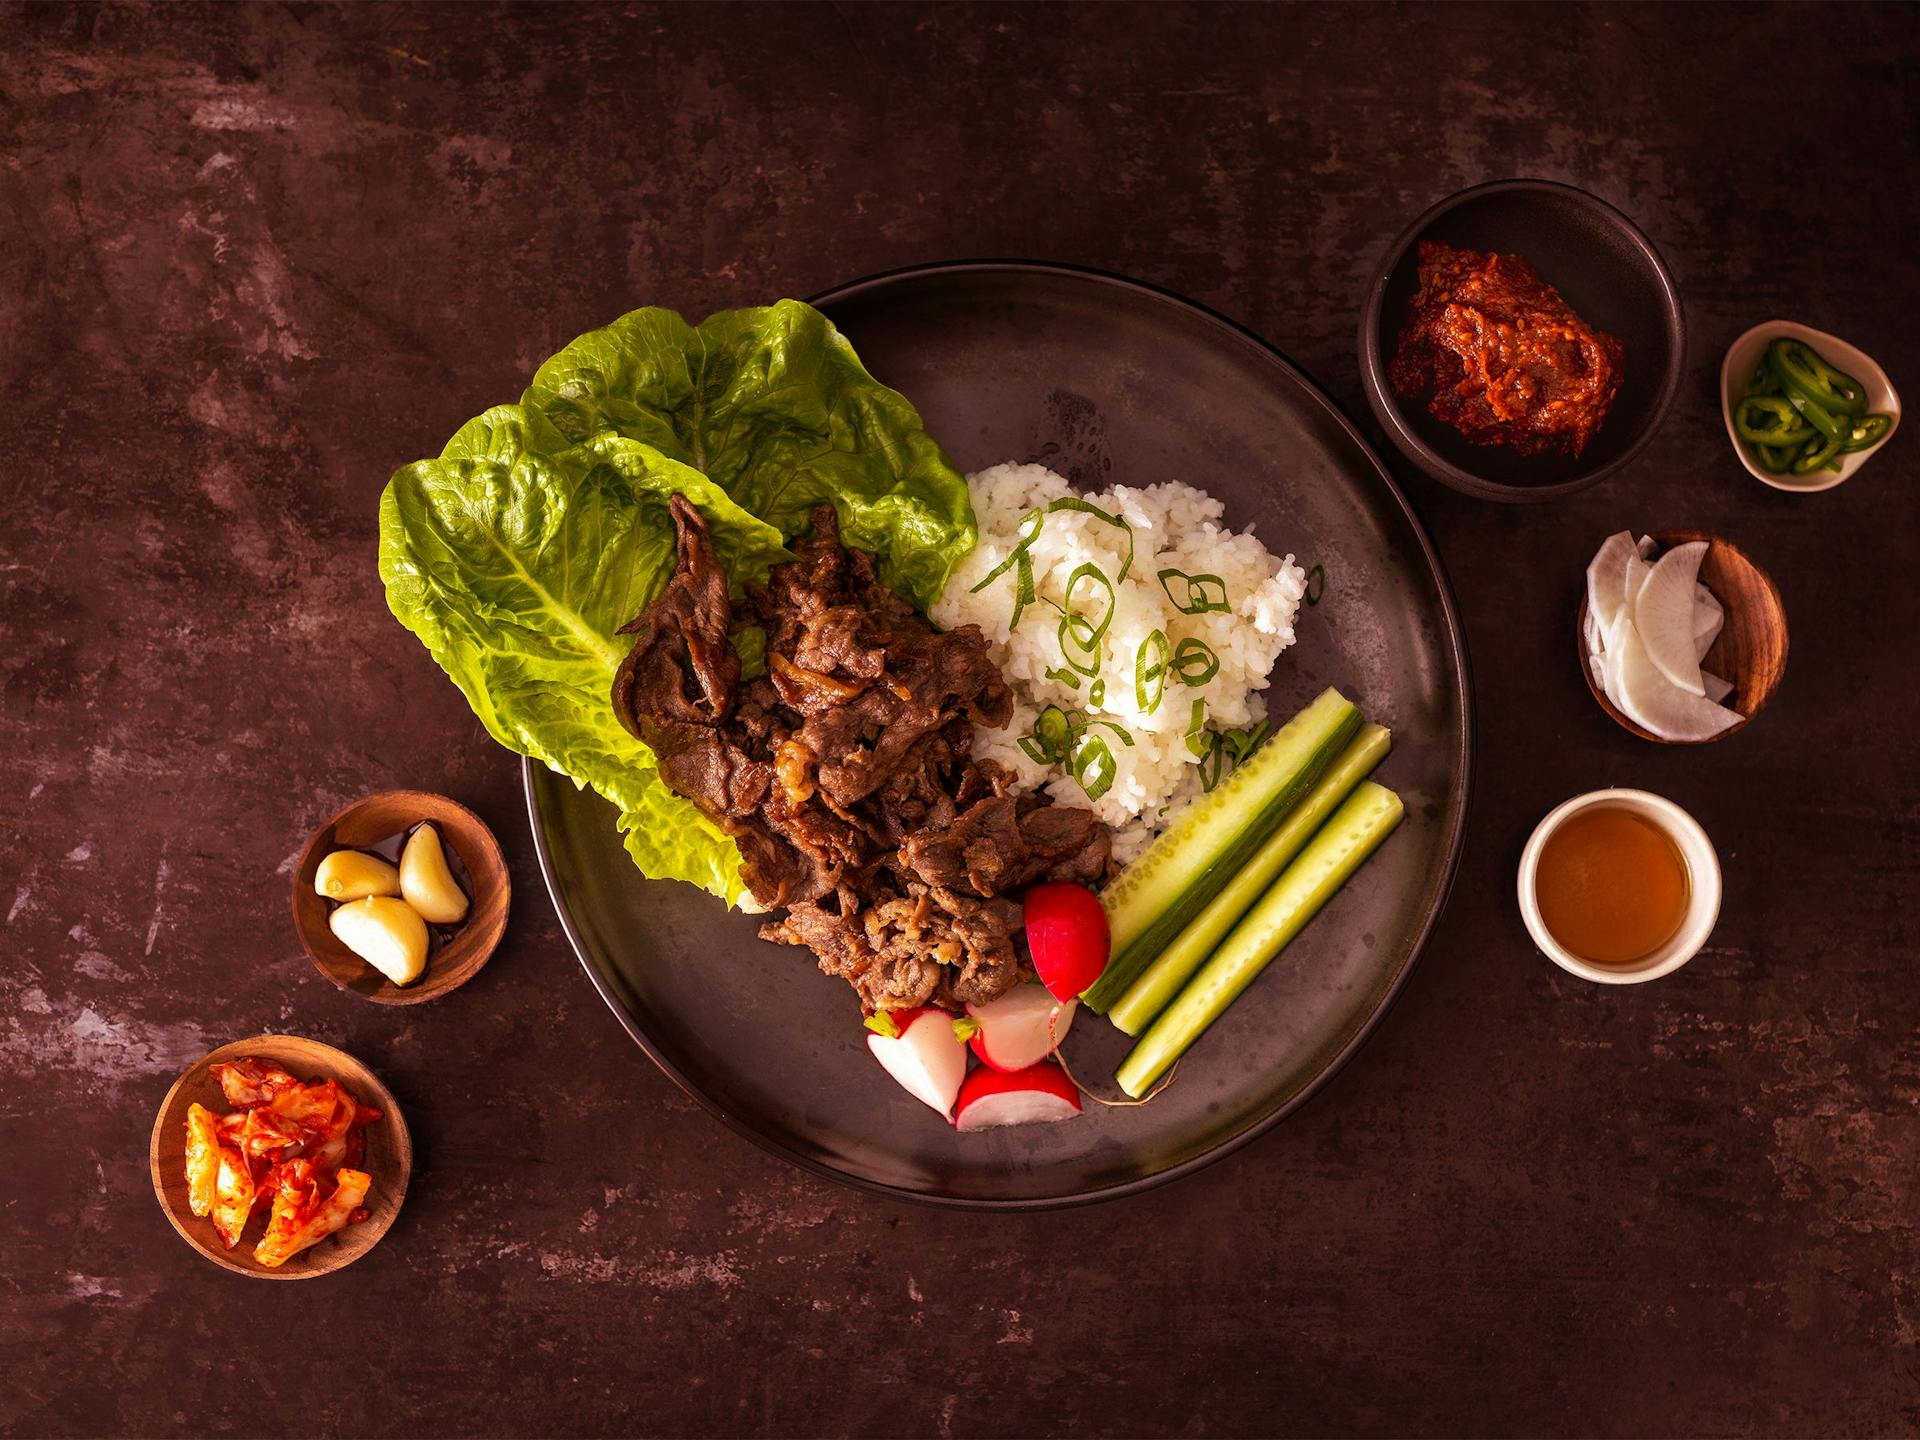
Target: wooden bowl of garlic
<point>401,897</point>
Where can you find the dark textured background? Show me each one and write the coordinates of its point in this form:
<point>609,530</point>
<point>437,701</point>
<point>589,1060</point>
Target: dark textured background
<point>253,259</point>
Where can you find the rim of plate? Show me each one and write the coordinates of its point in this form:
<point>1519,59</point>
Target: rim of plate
<point>1456,643</point>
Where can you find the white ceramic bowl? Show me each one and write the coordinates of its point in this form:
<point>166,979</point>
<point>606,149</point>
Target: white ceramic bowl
<point>1737,369</point>
<point>1703,887</point>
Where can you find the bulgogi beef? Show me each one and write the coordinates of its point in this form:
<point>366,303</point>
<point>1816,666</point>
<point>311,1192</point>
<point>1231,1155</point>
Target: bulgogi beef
<point>845,773</point>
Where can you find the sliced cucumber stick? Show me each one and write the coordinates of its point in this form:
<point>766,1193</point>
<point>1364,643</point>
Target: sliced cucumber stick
<point>1353,833</point>
<point>1156,896</point>
<point>1155,989</point>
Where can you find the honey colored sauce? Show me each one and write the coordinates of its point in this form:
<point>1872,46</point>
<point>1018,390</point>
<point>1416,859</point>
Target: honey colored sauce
<point>1612,886</point>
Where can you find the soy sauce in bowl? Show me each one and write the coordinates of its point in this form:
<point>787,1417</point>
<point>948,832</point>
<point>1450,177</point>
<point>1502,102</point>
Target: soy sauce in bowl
<point>1612,886</point>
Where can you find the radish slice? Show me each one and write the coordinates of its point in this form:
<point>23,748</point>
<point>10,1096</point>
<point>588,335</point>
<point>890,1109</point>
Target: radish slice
<point>1655,703</point>
<point>1021,1027</point>
<point>1663,615</point>
<point>1067,936</point>
<point>1607,579</point>
<point>1708,618</point>
<point>926,1057</point>
<point>1039,1093</point>
<point>1717,689</point>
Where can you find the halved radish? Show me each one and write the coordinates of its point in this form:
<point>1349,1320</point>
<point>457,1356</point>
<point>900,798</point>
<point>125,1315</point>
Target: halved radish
<point>1655,703</point>
<point>925,1056</point>
<point>1607,579</point>
<point>1067,935</point>
<point>1022,1097</point>
<point>1021,1027</point>
<point>1708,619</point>
<point>1663,614</point>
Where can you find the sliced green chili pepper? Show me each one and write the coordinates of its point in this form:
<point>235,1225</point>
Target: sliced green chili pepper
<point>1763,381</point>
<point>1867,432</point>
<point>1775,459</point>
<point>1316,584</point>
<point>1829,424</point>
<point>1815,454</point>
<point>1769,420</point>
<point>1800,367</point>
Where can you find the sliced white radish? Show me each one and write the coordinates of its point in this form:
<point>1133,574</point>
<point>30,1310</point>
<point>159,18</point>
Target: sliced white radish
<point>1607,578</point>
<point>1652,701</point>
<point>1663,615</point>
<point>926,1057</point>
<point>1717,689</point>
<point>1708,618</point>
<point>1021,1027</point>
<point>992,1098</point>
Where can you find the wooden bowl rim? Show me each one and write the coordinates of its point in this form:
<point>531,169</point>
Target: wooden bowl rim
<point>1666,540</point>
<point>334,1063</point>
<point>430,986</point>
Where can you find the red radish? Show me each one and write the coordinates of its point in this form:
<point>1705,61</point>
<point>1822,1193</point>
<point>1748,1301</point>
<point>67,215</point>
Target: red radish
<point>994,1097</point>
<point>1067,935</point>
<point>926,1057</point>
<point>1021,1027</point>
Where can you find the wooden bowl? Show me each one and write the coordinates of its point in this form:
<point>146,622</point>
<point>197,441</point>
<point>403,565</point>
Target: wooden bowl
<point>459,951</point>
<point>1750,653</point>
<point>389,1158</point>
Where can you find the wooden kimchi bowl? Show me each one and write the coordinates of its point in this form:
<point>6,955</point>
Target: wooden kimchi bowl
<point>388,1159</point>
<point>1601,264</point>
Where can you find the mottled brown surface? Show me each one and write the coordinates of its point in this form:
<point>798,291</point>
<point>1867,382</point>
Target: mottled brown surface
<point>252,259</point>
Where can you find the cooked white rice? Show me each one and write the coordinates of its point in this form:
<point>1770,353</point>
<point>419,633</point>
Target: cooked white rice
<point>1174,527</point>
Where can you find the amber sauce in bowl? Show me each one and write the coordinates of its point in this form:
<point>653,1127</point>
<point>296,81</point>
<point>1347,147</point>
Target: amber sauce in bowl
<point>1612,885</point>
<point>1619,886</point>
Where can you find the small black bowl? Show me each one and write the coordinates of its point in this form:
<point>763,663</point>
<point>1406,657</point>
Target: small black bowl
<point>1602,266</point>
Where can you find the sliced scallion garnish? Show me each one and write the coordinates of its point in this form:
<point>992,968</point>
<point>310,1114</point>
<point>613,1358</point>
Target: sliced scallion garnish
<point>1076,631</point>
<point>1204,592</point>
<point>1316,584</point>
<point>1085,507</point>
<point>1094,766</point>
<point>1199,738</point>
<point>1194,661</point>
<point>1150,672</point>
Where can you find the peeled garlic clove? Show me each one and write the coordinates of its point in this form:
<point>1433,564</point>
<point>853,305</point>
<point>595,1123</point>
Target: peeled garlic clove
<point>354,875</point>
<point>385,932</point>
<point>427,882</point>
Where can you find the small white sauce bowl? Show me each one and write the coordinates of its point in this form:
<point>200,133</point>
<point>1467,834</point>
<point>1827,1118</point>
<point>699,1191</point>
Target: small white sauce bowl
<point>1703,887</point>
<point>1744,354</point>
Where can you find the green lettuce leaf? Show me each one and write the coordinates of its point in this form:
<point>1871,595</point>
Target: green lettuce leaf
<point>543,527</point>
<point>515,557</point>
<point>772,405</point>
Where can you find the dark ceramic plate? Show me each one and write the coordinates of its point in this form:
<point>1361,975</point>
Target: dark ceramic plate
<point>1105,380</point>
<point>1602,266</point>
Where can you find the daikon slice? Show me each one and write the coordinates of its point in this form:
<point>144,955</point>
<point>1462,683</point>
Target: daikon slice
<point>1663,615</point>
<point>1653,702</point>
<point>1717,689</point>
<point>1708,617</point>
<point>1607,578</point>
